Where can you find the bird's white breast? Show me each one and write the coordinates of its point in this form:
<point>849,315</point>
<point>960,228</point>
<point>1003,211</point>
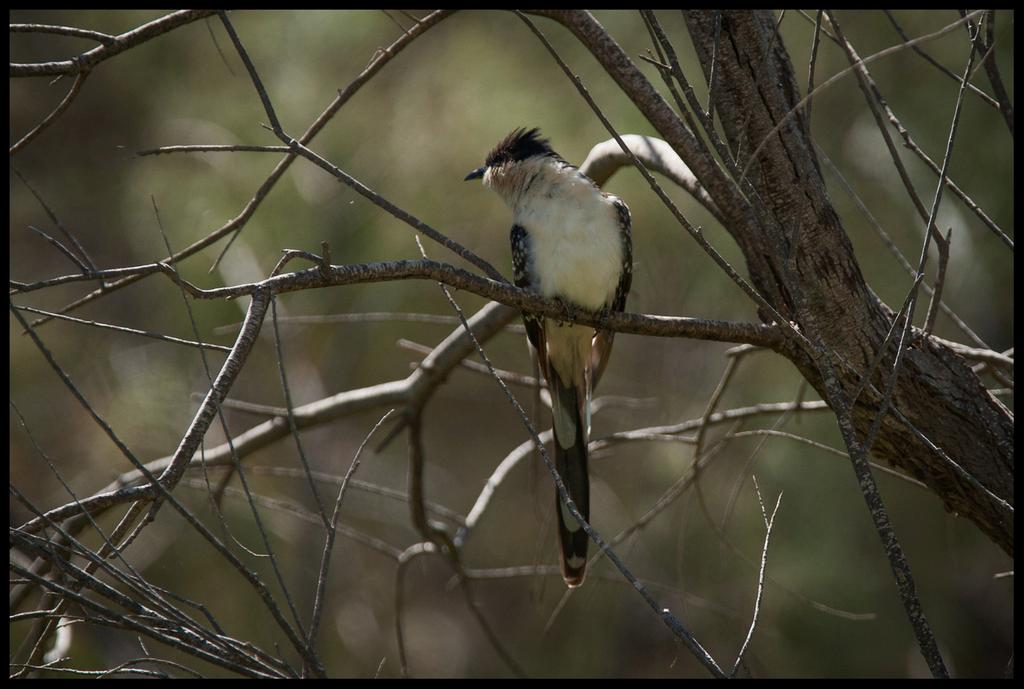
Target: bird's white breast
<point>575,241</point>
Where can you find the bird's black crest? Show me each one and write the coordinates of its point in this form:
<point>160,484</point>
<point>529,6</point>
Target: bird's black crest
<point>519,145</point>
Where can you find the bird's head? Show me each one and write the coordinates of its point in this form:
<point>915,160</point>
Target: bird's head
<point>506,166</point>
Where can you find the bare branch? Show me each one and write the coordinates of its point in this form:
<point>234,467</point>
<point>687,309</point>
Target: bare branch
<point>992,69</point>
<point>874,100</point>
<point>97,36</point>
<point>61,248</point>
<point>660,326</point>
<point>213,148</point>
<point>381,59</point>
<point>49,119</point>
<point>84,256</point>
<point>325,560</point>
<point>813,62</point>
<point>768,523</point>
<point>871,58</point>
<point>120,328</point>
<point>353,183</point>
<point>893,249</point>
<point>894,551</point>
<point>930,60</point>
<point>130,39</point>
<point>294,429</point>
<point>940,280</point>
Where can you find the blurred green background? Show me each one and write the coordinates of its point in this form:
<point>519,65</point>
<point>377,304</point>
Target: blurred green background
<point>411,134</point>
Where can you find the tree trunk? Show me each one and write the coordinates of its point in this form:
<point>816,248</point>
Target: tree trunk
<point>801,261</point>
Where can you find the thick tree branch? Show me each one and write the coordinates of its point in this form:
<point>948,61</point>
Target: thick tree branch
<point>937,392</point>
<point>521,299</point>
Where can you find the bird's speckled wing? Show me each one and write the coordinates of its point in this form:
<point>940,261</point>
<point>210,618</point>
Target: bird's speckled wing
<point>604,339</point>
<point>520,275</point>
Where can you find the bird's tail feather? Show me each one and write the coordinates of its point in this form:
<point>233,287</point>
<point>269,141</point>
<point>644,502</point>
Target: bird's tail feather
<point>569,407</point>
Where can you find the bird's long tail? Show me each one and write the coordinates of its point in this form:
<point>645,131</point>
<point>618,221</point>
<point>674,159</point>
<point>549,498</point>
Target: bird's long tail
<point>569,406</point>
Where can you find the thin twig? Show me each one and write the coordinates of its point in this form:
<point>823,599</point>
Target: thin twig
<point>132,579</point>
<point>414,390</point>
<point>732,364</point>
<point>434,509</point>
<point>858,451</point>
<point>110,48</point>
<point>325,560</point>
<point>49,119</point>
<point>61,248</point>
<point>99,37</point>
<point>235,225</point>
<point>507,376</point>
<point>407,556</point>
<point>123,329</point>
<point>874,99</point>
<point>940,280</point>
<point>713,72</point>
<point>299,148</point>
<point>831,450</point>
<point>992,69</point>
<point>216,45</point>
<point>748,465</point>
<point>912,296</point>
<point>292,425</point>
<point>768,523</point>
<point>1002,359</point>
<point>56,221</point>
<point>985,98</point>
<point>836,77</point>
<point>897,559</point>
<point>299,512</point>
<point>686,481</point>
<point>213,148</point>
<point>891,246</point>
<point>396,22</point>
<point>812,62</point>
<point>363,317</point>
<point>158,488</point>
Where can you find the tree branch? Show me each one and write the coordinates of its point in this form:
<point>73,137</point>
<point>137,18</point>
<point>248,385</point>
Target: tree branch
<point>117,45</point>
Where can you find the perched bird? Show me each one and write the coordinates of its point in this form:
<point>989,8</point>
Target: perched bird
<point>571,242</point>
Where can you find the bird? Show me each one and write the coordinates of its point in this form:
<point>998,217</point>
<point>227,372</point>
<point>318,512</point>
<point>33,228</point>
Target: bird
<point>570,242</point>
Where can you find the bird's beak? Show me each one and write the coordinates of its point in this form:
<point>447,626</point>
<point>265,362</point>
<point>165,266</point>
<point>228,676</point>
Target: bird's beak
<point>476,174</point>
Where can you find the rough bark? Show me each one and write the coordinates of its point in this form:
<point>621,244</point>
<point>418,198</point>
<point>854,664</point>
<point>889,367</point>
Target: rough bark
<point>800,259</point>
